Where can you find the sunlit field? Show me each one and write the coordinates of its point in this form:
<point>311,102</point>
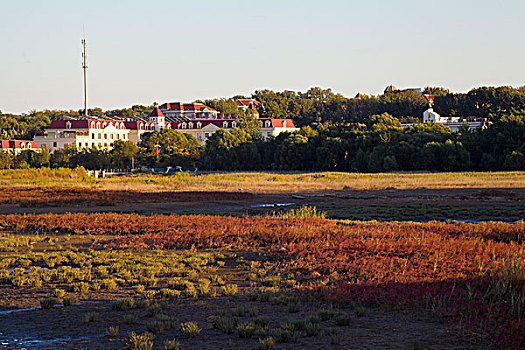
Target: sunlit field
<point>268,277</point>
<point>265,182</point>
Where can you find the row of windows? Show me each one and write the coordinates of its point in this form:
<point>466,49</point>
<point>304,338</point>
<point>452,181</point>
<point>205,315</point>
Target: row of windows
<point>80,144</point>
<point>117,136</point>
<point>120,126</point>
<point>94,144</point>
<point>190,125</point>
<point>199,125</point>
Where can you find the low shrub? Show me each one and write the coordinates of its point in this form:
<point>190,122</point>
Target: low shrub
<point>266,343</point>
<point>171,344</point>
<point>189,329</point>
<point>48,303</point>
<point>140,342</point>
<point>112,331</point>
<point>118,305</point>
<point>139,289</point>
<point>246,330</point>
<point>130,319</point>
<point>229,289</point>
<point>225,324</point>
<point>91,317</point>
<point>149,294</point>
<point>59,293</point>
<point>342,319</point>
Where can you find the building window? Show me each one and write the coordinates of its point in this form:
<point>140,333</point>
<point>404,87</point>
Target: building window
<point>234,124</point>
<point>68,125</point>
<point>184,125</point>
<point>92,136</point>
<point>92,125</point>
<point>29,145</point>
<point>104,124</point>
<point>99,136</point>
<point>199,125</point>
<point>206,134</point>
<point>269,134</point>
<point>267,123</point>
<point>190,125</point>
<point>105,136</point>
<point>54,144</point>
<point>22,145</point>
<point>111,136</point>
<point>98,125</point>
<point>225,124</point>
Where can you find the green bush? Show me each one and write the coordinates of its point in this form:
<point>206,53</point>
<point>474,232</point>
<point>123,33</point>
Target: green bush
<point>225,324</point>
<point>118,305</point>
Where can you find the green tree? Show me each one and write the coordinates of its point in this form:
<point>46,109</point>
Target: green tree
<point>123,154</point>
<point>169,148</point>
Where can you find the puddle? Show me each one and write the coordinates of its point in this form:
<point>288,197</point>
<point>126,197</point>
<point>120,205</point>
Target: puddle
<point>7,312</point>
<point>271,205</point>
<point>31,343</point>
<point>11,269</point>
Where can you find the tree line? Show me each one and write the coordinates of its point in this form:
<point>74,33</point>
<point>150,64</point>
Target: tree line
<point>337,133</point>
<point>378,145</point>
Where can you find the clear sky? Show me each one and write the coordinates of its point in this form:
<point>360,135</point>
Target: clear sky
<point>141,52</point>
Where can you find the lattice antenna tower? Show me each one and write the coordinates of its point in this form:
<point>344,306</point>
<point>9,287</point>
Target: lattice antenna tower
<point>84,67</point>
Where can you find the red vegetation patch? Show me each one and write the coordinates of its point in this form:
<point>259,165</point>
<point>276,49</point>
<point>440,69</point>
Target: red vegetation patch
<point>472,273</point>
<point>57,196</point>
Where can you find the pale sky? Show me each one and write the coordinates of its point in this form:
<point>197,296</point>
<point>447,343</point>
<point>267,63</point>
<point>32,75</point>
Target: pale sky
<point>140,52</point>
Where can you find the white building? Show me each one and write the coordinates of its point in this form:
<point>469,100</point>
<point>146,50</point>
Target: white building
<point>88,133</point>
<point>429,116</point>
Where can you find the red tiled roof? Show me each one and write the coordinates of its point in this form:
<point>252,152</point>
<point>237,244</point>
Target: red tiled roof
<point>390,88</point>
<point>177,106</point>
<point>278,123</point>
<point>17,144</point>
<point>83,124</point>
<point>248,102</point>
<point>75,124</point>
<point>430,98</point>
<point>156,112</point>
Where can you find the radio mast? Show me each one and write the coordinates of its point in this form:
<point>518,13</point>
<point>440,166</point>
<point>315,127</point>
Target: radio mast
<point>84,67</point>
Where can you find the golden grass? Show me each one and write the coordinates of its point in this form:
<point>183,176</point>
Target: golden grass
<point>265,182</point>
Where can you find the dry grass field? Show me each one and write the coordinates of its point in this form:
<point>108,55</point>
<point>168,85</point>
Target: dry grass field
<point>259,182</point>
